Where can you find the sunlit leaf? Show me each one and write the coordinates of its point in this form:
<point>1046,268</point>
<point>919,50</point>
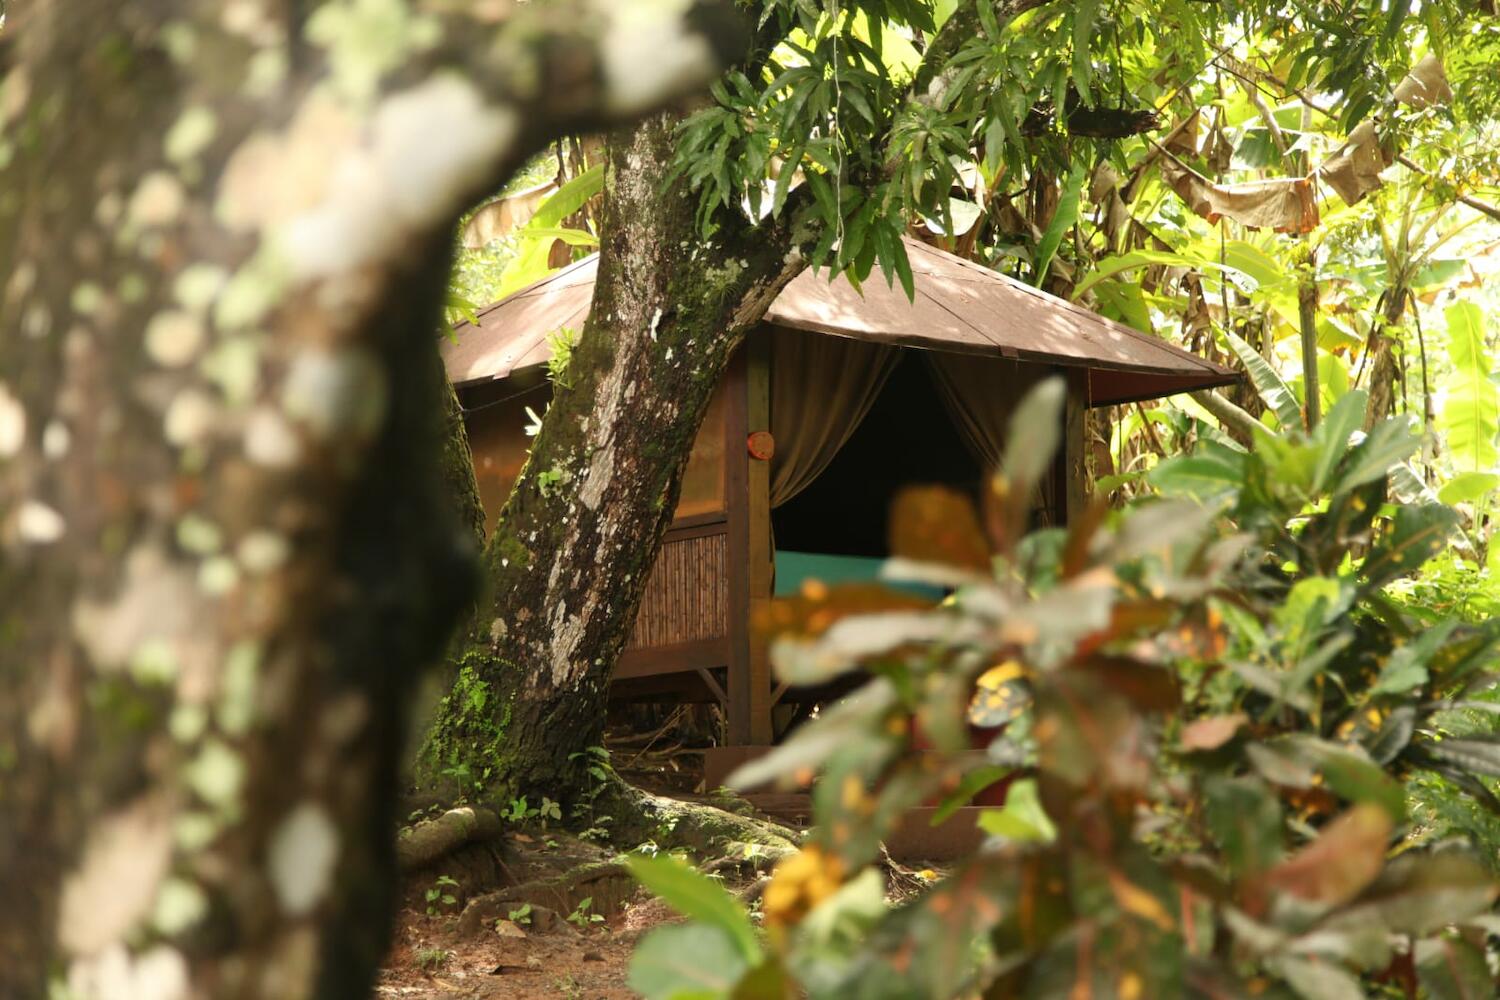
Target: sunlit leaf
<point>697,897</point>
<point>686,962</point>
<point>1471,410</point>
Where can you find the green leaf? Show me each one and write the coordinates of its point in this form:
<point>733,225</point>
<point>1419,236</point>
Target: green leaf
<point>848,720</point>
<point>1035,429</point>
<point>969,786</point>
<point>1084,14</point>
<point>1471,411</point>
<point>686,962</point>
<point>1467,487</point>
<point>1272,387</point>
<point>1388,443</point>
<point>1062,220</point>
<point>530,264</point>
<point>1417,533</point>
<point>1110,266</point>
<point>1245,819</point>
<point>1450,968</point>
<point>1210,472</point>
<point>1473,755</point>
<point>1332,435</point>
<point>1022,819</point>
<point>1418,894</point>
<point>572,237</point>
<point>903,270</point>
<point>1320,980</point>
<point>699,897</point>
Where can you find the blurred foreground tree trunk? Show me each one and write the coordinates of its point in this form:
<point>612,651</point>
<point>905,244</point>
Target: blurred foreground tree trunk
<point>226,548</point>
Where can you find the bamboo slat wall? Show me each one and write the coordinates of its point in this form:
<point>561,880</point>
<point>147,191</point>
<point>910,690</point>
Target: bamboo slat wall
<point>687,594</point>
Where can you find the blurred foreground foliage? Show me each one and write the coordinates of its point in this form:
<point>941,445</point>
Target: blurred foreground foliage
<point>1242,755</point>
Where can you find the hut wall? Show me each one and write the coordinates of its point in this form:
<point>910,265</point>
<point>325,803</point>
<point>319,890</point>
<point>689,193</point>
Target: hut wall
<point>496,419</point>
<point>685,606</point>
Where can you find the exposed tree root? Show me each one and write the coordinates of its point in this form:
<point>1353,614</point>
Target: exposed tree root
<point>703,829</point>
<point>601,881</point>
<point>420,845</point>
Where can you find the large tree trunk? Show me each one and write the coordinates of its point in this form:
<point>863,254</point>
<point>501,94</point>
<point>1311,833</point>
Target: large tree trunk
<point>575,542</point>
<point>225,544</point>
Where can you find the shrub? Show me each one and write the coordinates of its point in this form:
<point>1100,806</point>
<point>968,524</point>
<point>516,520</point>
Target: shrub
<point>1208,708</point>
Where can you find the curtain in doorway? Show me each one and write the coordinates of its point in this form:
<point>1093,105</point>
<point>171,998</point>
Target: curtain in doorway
<point>980,395</point>
<point>821,388</point>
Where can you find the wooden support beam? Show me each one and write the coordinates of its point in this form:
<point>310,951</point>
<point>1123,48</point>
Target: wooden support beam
<point>748,492</point>
<point>1074,450</point>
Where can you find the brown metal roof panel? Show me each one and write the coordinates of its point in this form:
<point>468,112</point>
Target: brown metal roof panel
<point>512,333</point>
<point>960,307</point>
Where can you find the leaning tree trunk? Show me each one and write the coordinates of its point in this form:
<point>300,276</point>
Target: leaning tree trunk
<point>569,557</point>
<point>225,543</point>
<point>575,542</point>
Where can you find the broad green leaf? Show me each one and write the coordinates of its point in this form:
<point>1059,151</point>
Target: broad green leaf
<point>1388,443</point>
<point>1470,416</point>
<point>1022,819</point>
<point>1062,221</point>
<point>686,962</point>
<point>1245,819</point>
<point>699,897</point>
<point>1467,487</point>
<point>1332,435</point>
<point>1084,14</point>
<point>1471,411</point>
<point>1416,534</point>
<point>1124,300</point>
<point>1271,386</point>
<point>1111,266</point>
<point>1249,259</point>
<point>530,264</point>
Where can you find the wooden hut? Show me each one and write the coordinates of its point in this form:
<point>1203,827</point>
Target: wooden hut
<point>833,403</point>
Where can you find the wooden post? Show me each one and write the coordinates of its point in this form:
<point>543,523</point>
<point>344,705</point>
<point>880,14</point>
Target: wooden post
<point>747,494</point>
<point>1074,450</point>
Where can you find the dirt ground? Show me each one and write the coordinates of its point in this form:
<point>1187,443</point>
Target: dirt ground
<point>559,961</point>
<point>435,954</point>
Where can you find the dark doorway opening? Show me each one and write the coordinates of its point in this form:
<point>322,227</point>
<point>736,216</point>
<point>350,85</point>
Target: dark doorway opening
<point>906,438</point>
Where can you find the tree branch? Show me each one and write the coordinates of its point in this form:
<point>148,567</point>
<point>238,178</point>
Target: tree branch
<point>1231,416</point>
<point>590,65</point>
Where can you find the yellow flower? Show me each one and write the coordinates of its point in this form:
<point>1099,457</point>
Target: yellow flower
<point>799,883</point>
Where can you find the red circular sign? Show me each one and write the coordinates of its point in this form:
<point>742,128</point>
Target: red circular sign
<point>762,445</point>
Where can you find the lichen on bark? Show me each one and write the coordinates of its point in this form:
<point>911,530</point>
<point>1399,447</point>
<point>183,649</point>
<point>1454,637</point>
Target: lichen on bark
<point>603,475</point>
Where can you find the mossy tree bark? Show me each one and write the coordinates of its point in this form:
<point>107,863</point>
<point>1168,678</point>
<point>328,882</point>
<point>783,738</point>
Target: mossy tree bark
<point>570,554</point>
<point>566,566</point>
<point>226,547</point>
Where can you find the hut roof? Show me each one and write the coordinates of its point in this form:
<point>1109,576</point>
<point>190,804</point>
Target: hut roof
<point>960,307</point>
